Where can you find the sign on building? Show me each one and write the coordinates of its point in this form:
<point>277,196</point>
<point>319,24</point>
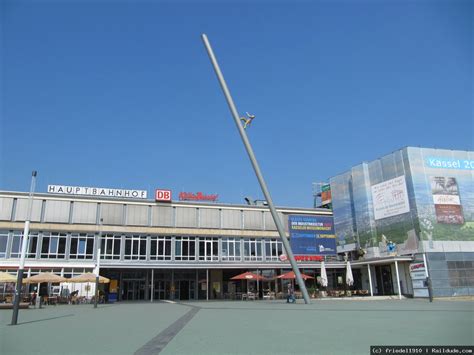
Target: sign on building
<point>446,200</point>
<point>311,235</point>
<point>418,278</point>
<point>163,195</point>
<point>199,196</point>
<point>96,191</point>
<point>390,198</point>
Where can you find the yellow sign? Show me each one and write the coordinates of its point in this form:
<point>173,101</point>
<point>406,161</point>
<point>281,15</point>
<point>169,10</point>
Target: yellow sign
<point>113,285</point>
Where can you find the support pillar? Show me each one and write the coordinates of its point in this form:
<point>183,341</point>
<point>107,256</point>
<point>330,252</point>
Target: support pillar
<point>370,281</point>
<point>398,281</point>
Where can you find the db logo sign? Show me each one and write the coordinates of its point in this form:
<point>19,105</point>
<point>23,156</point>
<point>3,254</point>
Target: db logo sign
<point>163,195</point>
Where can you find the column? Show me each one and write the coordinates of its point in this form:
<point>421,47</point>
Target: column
<point>398,281</point>
<point>370,280</point>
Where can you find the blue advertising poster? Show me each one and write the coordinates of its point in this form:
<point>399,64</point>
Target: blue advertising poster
<point>312,235</point>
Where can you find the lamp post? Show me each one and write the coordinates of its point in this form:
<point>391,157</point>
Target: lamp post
<point>24,245</point>
<point>256,168</point>
<point>97,264</point>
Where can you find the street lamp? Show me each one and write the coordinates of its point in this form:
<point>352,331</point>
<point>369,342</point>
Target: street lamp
<point>24,245</point>
<point>97,264</point>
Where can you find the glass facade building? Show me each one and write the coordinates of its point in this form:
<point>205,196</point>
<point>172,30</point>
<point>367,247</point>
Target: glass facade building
<point>422,200</point>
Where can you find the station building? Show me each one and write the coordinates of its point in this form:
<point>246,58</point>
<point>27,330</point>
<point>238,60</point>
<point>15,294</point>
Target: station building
<point>416,202</point>
<point>150,249</point>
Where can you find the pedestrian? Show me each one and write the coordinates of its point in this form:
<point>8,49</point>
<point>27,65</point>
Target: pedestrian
<point>290,297</point>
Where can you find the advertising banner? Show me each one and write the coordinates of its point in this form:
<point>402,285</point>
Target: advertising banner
<point>446,200</point>
<point>418,277</point>
<point>312,235</point>
<point>390,198</point>
<point>325,194</point>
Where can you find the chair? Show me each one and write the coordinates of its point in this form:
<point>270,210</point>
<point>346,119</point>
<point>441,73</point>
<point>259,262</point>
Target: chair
<point>251,296</point>
<point>269,296</point>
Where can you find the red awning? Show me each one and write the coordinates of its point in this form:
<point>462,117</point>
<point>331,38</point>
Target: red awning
<point>248,276</point>
<point>291,276</point>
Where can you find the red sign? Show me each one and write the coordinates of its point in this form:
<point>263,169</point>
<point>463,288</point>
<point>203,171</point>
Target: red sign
<point>199,196</point>
<point>163,195</point>
<point>309,258</point>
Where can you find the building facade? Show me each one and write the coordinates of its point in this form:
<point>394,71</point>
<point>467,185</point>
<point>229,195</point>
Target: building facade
<point>419,199</point>
<point>151,250</point>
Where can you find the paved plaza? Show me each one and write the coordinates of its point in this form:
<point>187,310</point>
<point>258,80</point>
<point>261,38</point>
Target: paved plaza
<point>235,327</point>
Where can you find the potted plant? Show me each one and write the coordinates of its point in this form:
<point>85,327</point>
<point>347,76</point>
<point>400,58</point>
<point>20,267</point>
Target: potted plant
<point>313,291</point>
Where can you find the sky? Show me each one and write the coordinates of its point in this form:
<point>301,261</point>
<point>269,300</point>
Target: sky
<point>122,94</point>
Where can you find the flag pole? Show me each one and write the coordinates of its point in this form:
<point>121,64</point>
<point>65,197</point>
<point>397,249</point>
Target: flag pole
<point>256,168</point>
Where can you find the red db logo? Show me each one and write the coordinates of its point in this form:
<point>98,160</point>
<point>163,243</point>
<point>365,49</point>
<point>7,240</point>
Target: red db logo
<point>163,195</point>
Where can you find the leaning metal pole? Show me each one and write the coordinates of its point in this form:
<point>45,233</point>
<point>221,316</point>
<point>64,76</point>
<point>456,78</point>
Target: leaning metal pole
<point>26,232</point>
<point>256,168</point>
<point>97,265</point>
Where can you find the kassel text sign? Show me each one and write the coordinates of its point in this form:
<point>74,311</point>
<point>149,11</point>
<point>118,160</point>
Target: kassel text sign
<point>96,191</point>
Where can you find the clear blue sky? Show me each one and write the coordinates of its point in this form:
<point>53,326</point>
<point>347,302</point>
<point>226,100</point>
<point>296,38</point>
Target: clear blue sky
<point>122,94</point>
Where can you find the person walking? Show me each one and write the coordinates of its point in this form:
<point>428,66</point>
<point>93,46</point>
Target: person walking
<point>290,297</point>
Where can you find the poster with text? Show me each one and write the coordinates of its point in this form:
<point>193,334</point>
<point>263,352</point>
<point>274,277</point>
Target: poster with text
<point>390,198</point>
<point>312,235</point>
<point>446,200</point>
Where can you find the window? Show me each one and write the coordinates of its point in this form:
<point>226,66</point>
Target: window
<point>110,246</point>
<point>208,249</point>
<point>16,244</point>
<point>273,249</point>
<point>252,249</point>
<point>160,248</point>
<point>3,244</point>
<point>135,247</point>
<point>32,245</point>
<point>231,249</point>
<point>185,248</point>
<point>82,246</point>
<point>53,246</point>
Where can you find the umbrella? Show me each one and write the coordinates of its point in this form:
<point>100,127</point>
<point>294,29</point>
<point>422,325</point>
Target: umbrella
<point>324,276</point>
<point>291,275</point>
<point>6,277</point>
<point>349,277</point>
<point>248,276</point>
<point>88,277</point>
<point>44,277</point>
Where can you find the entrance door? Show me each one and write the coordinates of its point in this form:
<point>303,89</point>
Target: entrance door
<point>183,290</point>
<point>384,280</point>
<point>133,290</point>
<point>161,290</point>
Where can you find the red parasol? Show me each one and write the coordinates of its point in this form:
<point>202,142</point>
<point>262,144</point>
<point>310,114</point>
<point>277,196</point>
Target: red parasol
<point>248,276</point>
<point>291,276</point>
